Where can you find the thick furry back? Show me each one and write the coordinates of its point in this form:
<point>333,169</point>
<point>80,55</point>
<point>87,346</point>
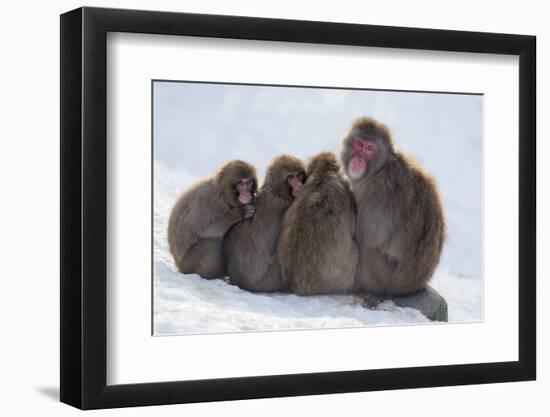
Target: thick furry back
<point>316,249</point>
<point>188,216</point>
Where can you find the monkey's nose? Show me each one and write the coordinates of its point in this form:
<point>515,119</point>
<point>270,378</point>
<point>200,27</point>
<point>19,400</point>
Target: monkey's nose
<point>296,187</point>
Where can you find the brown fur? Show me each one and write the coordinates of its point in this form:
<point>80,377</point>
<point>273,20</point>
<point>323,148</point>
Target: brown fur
<point>250,246</point>
<point>400,224</point>
<point>201,217</point>
<point>317,250</point>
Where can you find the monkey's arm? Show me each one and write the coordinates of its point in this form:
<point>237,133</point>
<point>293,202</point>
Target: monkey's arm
<point>218,227</point>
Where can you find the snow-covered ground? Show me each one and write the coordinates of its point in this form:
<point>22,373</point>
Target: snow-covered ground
<point>216,123</point>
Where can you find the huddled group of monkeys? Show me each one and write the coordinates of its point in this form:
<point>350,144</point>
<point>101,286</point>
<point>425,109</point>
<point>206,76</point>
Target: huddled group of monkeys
<point>371,223</point>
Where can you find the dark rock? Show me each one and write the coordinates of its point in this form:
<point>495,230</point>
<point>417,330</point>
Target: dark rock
<point>429,302</point>
<point>371,301</point>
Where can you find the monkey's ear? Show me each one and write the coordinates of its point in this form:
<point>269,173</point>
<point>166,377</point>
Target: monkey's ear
<point>220,175</point>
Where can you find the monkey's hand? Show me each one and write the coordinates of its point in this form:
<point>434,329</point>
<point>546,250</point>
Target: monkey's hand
<point>218,228</point>
<point>248,211</point>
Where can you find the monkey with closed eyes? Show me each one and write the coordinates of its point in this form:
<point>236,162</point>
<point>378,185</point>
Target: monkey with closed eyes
<point>203,214</point>
<point>400,221</point>
<point>250,246</point>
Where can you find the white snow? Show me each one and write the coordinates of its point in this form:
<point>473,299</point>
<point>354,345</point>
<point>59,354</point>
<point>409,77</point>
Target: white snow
<point>216,123</point>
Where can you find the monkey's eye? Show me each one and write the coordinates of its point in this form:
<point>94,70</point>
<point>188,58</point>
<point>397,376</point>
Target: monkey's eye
<point>358,144</point>
<point>290,177</point>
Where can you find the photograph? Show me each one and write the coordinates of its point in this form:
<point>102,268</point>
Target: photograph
<point>282,207</point>
<point>258,206</point>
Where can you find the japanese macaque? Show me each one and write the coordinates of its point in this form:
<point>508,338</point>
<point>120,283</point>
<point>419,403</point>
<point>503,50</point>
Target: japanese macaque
<point>400,221</point>
<point>204,213</point>
<point>250,246</point>
<point>317,251</point>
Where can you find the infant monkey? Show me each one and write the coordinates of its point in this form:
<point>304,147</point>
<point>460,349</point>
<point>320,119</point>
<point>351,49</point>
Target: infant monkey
<point>250,246</point>
<point>203,215</point>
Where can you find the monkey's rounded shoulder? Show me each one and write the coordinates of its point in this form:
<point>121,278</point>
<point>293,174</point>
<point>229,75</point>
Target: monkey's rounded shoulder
<point>330,180</point>
<point>424,188</point>
<point>416,172</point>
<point>197,206</point>
<point>401,178</point>
<point>204,193</point>
<point>330,198</point>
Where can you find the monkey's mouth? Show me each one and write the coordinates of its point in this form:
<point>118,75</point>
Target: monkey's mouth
<point>296,188</point>
<point>245,197</point>
<point>357,166</point>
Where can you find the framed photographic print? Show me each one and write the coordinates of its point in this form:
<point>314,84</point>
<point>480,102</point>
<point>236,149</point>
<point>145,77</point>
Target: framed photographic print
<point>258,207</point>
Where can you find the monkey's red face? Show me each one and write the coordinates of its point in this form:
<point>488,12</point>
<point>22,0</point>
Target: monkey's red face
<point>245,191</point>
<point>362,150</point>
<point>296,182</point>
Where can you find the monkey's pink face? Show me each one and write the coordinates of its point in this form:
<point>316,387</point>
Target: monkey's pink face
<point>296,182</point>
<point>361,151</point>
<point>244,190</point>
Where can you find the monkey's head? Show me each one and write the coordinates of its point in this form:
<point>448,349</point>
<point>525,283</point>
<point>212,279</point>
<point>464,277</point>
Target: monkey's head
<point>323,163</point>
<point>365,148</point>
<point>238,182</point>
<point>285,177</point>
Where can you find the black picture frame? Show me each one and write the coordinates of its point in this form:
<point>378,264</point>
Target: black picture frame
<point>84,207</point>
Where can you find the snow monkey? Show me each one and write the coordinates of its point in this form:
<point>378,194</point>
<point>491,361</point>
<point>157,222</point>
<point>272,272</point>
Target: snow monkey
<point>204,213</point>
<point>317,251</point>
<point>250,246</point>
<point>400,221</point>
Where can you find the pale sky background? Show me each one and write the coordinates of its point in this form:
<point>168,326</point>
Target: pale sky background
<point>198,127</point>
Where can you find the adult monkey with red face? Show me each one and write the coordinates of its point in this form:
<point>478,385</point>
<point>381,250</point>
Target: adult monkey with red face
<point>203,214</point>
<point>400,223</point>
